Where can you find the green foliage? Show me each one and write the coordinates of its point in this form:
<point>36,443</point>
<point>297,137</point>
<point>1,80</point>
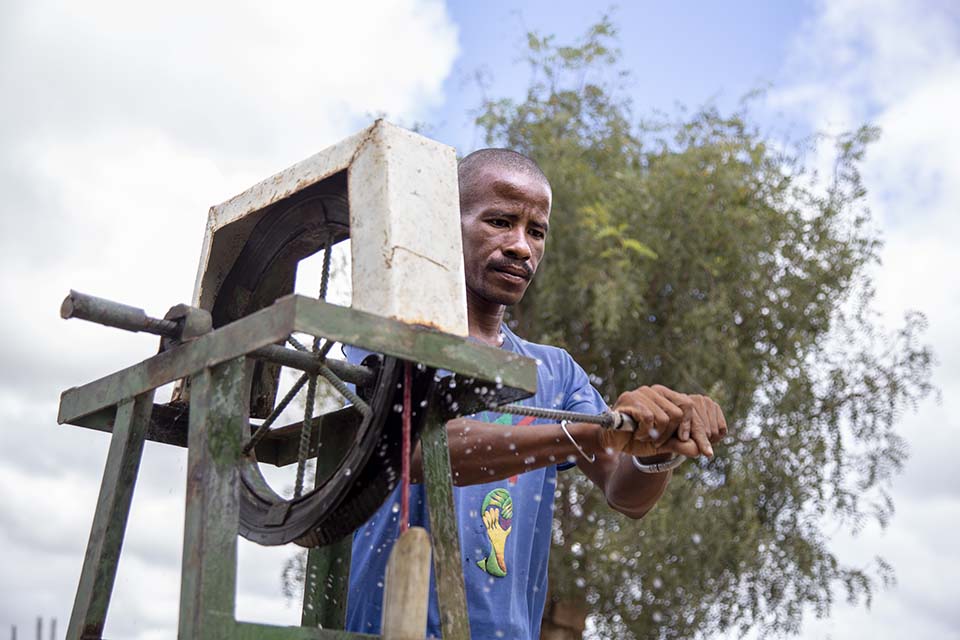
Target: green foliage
<point>702,255</point>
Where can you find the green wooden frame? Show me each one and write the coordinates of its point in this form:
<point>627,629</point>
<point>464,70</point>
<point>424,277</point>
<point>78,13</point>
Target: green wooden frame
<point>218,424</point>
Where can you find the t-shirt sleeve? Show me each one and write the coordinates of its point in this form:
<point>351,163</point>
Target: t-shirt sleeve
<point>581,397</point>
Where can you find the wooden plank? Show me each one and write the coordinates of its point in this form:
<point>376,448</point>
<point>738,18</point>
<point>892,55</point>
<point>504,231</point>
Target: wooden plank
<point>168,425</point>
<point>326,585</point>
<point>259,329</point>
<point>406,587</point>
<point>327,575</point>
<point>417,344</point>
<point>218,423</point>
<point>447,562</point>
<point>110,519</point>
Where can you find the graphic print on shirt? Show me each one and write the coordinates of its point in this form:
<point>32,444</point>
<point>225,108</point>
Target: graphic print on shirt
<point>497,508</point>
<point>497,514</point>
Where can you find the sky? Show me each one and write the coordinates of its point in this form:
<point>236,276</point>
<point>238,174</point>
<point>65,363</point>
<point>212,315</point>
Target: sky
<point>122,123</point>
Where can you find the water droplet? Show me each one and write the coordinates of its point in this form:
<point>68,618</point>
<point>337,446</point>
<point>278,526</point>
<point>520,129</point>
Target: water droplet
<point>580,582</point>
<point>696,538</point>
<point>395,508</point>
<point>347,472</point>
<point>657,583</point>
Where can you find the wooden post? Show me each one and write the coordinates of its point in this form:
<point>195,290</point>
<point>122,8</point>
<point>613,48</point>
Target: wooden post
<point>110,519</point>
<point>218,420</point>
<point>406,591</point>
<point>447,562</point>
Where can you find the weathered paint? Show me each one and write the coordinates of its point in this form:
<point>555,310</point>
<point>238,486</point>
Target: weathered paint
<point>417,344</point>
<point>110,519</point>
<point>218,427</point>
<point>326,579</point>
<point>299,313</point>
<point>399,185</point>
<point>406,250</point>
<point>236,339</point>
<point>447,563</point>
<point>258,631</point>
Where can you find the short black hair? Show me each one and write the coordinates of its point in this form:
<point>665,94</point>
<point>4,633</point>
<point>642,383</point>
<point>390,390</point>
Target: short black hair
<point>470,164</point>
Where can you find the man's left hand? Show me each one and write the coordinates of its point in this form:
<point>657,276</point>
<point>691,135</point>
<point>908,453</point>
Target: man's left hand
<point>689,429</point>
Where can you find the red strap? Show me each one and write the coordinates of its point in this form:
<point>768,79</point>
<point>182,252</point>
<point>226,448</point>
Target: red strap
<point>405,451</point>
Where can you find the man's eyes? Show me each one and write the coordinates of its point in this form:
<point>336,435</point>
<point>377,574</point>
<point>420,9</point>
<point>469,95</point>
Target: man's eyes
<point>503,223</point>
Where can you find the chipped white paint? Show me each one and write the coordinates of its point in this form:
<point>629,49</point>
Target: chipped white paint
<point>405,230</point>
<point>407,257</point>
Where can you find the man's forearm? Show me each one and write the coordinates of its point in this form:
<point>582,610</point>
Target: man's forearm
<point>632,492</point>
<point>483,452</point>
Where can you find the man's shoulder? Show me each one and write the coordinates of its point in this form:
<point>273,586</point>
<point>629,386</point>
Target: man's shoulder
<point>549,357</point>
<point>554,352</point>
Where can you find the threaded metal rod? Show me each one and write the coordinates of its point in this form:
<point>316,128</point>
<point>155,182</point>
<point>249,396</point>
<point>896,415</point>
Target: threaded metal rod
<point>607,420</point>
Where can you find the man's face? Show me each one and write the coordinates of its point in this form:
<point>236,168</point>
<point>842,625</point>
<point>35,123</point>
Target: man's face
<point>504,219</point>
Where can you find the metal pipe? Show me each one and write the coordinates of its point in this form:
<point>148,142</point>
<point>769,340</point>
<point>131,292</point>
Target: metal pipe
<point>305,361</point>
<point>122,316</point>
<point>115,314</point>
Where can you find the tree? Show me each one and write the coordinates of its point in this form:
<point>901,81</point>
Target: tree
<point>698,254</point>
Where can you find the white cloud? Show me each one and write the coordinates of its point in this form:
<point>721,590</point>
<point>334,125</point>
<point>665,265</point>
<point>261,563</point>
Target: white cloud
<point>121,124</point>
<point>897,64</point>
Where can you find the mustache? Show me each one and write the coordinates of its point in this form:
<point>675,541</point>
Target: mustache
<point>506,265</point>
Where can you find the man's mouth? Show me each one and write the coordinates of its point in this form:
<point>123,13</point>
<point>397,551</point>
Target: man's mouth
<point>515,273</point>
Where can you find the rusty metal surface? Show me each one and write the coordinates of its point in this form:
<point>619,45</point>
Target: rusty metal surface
<point>263,328</point>
<point>113,314</point>
<point>298,313</point>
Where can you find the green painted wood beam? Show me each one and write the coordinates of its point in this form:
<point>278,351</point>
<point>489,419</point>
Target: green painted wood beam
<point>417,344</point>
<point>259,329</point>
<point>258,631</point>
<point>444,536</point>
<point>110,519</point>
<point>208,578</point>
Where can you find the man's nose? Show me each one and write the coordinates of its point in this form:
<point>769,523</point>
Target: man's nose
<point>517,246</point>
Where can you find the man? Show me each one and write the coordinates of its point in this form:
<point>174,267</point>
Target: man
<point>506,467</point>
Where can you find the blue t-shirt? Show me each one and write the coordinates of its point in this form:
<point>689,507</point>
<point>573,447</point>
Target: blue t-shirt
<point>506,577</point>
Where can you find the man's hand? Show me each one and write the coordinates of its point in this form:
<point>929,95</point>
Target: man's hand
<point>667,422</point>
